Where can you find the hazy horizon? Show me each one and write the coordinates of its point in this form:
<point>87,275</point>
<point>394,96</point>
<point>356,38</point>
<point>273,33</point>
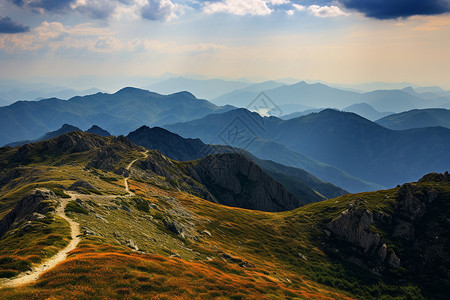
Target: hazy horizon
<point>345,41</point>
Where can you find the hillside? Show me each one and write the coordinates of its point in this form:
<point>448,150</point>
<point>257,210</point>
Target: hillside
<point>161,238</point>
<point>360,147</point>
<point>117,113</point>
<point>417,118</point>
<point>297,181</point>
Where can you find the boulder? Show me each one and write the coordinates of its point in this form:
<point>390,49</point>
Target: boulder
<point>38,202</point>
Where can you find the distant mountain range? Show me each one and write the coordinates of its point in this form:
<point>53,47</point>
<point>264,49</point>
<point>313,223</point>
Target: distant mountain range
<point>203,89</point>
<point>366,111</point>
<point>12,91</point>
<point>320,95</point>
<point>120,112</point>
<point>299,182</point>
<point>347,141</point>
<point>417,118</point>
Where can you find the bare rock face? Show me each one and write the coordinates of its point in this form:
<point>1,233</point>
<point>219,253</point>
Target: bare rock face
<point>417,208</point>
<point>353,227</point>
<point>412,201</point>
<point>236,181</point>
<point>33,206</point>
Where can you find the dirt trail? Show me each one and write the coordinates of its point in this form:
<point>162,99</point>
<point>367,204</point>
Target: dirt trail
<point>128,168</point>
<point>37,271</point>
<point>33,275</point>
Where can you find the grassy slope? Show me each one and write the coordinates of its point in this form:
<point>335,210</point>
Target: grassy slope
<point>286,249</point>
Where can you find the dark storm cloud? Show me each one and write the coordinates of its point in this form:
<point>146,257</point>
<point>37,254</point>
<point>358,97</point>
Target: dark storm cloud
<point>155,10</point>
<point>95,9</point>
<point>392,9</point>
<point>9,26</point>
<point>47,5</point>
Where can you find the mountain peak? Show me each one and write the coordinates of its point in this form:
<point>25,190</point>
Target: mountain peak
<point>184,94</point>
<point>131,90</point>
<point>98,131</point>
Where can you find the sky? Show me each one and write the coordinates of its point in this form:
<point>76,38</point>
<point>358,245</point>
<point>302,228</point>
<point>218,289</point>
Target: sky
<point>339,41</point>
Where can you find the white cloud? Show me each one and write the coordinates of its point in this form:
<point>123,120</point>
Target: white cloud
<point>290,12</point>
<point>299,7</point>
<point>52,36</point>
<point>278,2</point>
<point>243,7</point>
<point>326,11</point>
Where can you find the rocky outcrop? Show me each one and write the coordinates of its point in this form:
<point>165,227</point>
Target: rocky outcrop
<point>436,177</point>
<point>33,206</point>
<point>353,227</point>
<point>81,184</point>
<point>183,229</point>
<point>234,180</point>
<point>413,201</point>
<point>418,207</point>
<point>108,156</point>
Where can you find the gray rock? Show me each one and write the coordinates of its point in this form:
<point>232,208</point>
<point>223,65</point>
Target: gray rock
<point>412,201</point>
<point>352,225</point>
<point>393,260</point>
<point>174,226</point>
<point>38,201</point>
<point>132,244</point>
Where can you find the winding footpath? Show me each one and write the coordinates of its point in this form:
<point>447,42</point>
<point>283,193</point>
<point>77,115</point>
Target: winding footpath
<point>33,275</point>
<point>127,188</point>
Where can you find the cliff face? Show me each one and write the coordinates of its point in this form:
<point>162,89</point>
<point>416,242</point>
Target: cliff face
<point>236,181</point>
<point>33,206</point>
<point>413,234</point>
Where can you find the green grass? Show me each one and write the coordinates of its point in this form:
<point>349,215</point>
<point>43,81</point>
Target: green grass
<point>60,193</point>
<point>74,207</point>
<point>20,249</point>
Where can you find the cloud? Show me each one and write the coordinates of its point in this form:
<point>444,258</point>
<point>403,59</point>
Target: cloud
<point>326,11</point>
<point>155,10</point>
<point>299,7</point>
<point>95,9</point>
<point>7,25</point>
<point>43,6</point>
<point>392,9</point>
<point>83,38</point>
<point>243,7</point>
<point>320,11</point>
<point>159,10</point>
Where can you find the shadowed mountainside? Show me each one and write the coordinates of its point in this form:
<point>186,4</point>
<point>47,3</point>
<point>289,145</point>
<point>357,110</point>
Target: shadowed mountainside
<point>344,140</point>
<point>299,182</point>
<point>120,112</point>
